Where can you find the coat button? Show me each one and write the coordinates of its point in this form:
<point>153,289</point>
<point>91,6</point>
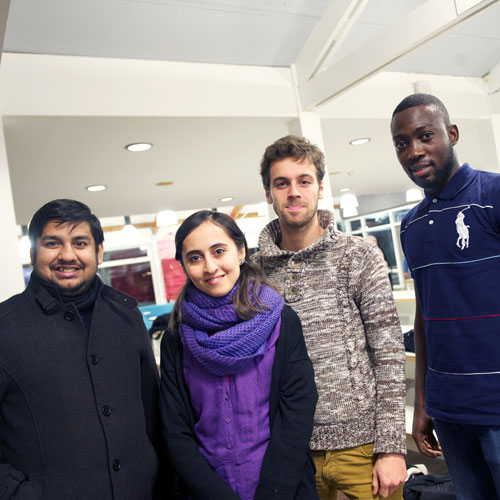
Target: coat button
<point>69,315</point>
<point>106,411</point>
<point>94,359</point>
<point>117,465</point>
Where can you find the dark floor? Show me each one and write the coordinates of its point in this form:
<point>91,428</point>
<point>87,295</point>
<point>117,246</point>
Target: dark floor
<point>434,465</point>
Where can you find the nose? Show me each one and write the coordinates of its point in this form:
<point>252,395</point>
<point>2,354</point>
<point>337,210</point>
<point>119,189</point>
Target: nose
<point>415,150</point>
<point>67,253</point>
<point>210,266</point>
<point>293,191</point>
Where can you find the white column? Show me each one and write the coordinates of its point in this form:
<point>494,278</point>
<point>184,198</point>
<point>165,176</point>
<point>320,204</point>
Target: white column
<point>12,271</point>
<point>308,125</point>
<point>12,274</point>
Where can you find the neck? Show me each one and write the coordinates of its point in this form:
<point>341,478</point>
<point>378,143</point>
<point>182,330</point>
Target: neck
<point>294,239</point>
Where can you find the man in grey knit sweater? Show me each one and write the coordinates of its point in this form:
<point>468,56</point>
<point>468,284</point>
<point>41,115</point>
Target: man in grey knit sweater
<point>338,285</point>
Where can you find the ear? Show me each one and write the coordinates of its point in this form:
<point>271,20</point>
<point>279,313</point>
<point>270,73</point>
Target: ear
<point>321,191</point>
<point>100,253</point>
<point>269,198</point>
<point>453,134</point>
<point>241,254</point>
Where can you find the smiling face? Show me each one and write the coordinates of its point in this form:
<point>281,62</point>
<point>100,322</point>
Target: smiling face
<point>211,259</point>
<point>66,256</point>
<point>294,193</point>
<point>424,146</point>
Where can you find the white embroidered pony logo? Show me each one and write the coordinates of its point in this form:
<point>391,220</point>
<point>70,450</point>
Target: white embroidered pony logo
<point>463,231</point>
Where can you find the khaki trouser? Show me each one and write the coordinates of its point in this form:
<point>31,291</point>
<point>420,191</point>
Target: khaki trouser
<point>348,471</point>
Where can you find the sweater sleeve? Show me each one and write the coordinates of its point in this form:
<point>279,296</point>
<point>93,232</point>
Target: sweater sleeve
<point>287,453</point>
<point>386,349</point>
<point>178,430</point>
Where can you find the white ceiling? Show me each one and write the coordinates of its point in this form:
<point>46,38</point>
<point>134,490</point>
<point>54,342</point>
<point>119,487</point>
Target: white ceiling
<point>213,157</point>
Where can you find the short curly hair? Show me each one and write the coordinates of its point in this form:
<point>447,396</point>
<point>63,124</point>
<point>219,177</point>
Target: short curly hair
<point>423,100</point>
<point>291,146</point>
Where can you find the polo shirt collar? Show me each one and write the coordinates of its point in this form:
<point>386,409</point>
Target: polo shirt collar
<point>462,178</point>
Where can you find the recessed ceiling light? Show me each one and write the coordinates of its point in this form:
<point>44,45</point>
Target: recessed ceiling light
<point>138,147</point>
<point>228,198</point>
<point>344,190</point>
<point>164,183</point>
<point>361,140</point>
<point>335,173</point>
<point>96,187</point>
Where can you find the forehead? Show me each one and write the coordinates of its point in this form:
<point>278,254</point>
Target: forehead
<point>410,119</point>
<point>290,168</point>
<point>204,236</point>
<point>67,230</point>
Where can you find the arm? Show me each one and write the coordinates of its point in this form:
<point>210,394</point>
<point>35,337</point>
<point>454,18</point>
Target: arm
<point>422,424</point>
<point>288,449</point>
<point>150,382</point>
<point>386,348</point>
<point>178,430</point>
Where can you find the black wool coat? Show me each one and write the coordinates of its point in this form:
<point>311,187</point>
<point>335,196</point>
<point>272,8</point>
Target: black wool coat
<point>287,470</point>
<point>79,412</point>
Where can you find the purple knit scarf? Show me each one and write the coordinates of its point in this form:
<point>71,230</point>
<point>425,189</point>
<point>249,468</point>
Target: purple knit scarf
<point>235,342</point>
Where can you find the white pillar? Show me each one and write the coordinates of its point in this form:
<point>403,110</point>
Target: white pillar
<point>308,125</point>
<point>11,270</point>
<point>12,274</point>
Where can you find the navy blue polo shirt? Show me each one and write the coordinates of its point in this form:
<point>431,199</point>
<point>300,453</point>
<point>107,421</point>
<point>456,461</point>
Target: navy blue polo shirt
<point>452,245</point>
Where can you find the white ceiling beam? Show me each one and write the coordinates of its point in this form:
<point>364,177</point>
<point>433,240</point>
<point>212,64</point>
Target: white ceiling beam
<point>492,80</point>
<point>326,37</point>
<point>421,25</point>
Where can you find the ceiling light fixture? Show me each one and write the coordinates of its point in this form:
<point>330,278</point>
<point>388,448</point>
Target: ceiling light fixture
<point>129,233</point>
<point>166,218</point>
<point>349,204</point>
<point>414,194</point>
<point>164,183</point>
<point>96,187</point>
<point>361,140</point>
<point>137,147</point>
<point>344,190</point>
<point>227,198</point>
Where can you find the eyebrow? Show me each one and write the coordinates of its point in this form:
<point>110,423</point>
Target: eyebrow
<point>54,237</point>
<point>215,245</point>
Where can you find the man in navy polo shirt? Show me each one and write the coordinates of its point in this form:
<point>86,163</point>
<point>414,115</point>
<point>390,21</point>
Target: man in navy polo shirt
<point>452,243</point>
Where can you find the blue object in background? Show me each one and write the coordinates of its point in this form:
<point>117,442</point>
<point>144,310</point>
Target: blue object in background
<point>151,312</point>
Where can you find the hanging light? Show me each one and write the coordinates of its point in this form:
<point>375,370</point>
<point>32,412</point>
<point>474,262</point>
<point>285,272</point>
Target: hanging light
<point>129,232</point>
<point>414,194</point>
<point>349,204</point>
<point>166,218</point>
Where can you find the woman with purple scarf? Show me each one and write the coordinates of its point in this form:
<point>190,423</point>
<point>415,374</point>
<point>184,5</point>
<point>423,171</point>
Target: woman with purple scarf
<point>237,386</point>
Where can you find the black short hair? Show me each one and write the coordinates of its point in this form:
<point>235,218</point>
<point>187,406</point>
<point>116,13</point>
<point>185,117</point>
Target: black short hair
<point>64,211</point>
<point>423,100</point>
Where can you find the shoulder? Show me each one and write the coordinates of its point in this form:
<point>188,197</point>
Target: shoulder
<point>118,297</point>
<point>13,304</point>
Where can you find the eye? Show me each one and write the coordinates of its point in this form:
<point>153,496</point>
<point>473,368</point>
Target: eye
<point>50,244</point>
<point>427,136</point>
<point>400,145</point>
<point>280,185</point>
<point>194,258</point>
<point>305,182</point>
<point>219,251</point>
<point>82,244</point>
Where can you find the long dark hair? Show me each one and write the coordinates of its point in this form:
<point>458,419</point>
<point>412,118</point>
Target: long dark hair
<point>250,274</point>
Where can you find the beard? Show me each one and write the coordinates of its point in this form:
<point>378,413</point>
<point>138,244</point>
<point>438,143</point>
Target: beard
<point>442,175</point>
<point>292,222</point>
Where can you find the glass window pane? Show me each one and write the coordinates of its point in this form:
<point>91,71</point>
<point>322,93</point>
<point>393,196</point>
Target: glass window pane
<point>133,279</point>
<point>399,214</point>
<point>384,241</point>
<point>355,225</point>
<point>127,253</point>
<point>378,220</point>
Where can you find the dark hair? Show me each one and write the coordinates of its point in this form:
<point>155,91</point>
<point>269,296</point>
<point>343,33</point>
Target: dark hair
<point>250,274</point>
<point>291,146</point>
<point>423,100</point>
<point>64,211</point>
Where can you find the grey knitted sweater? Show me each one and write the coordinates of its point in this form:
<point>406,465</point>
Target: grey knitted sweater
<point>339,288</point>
